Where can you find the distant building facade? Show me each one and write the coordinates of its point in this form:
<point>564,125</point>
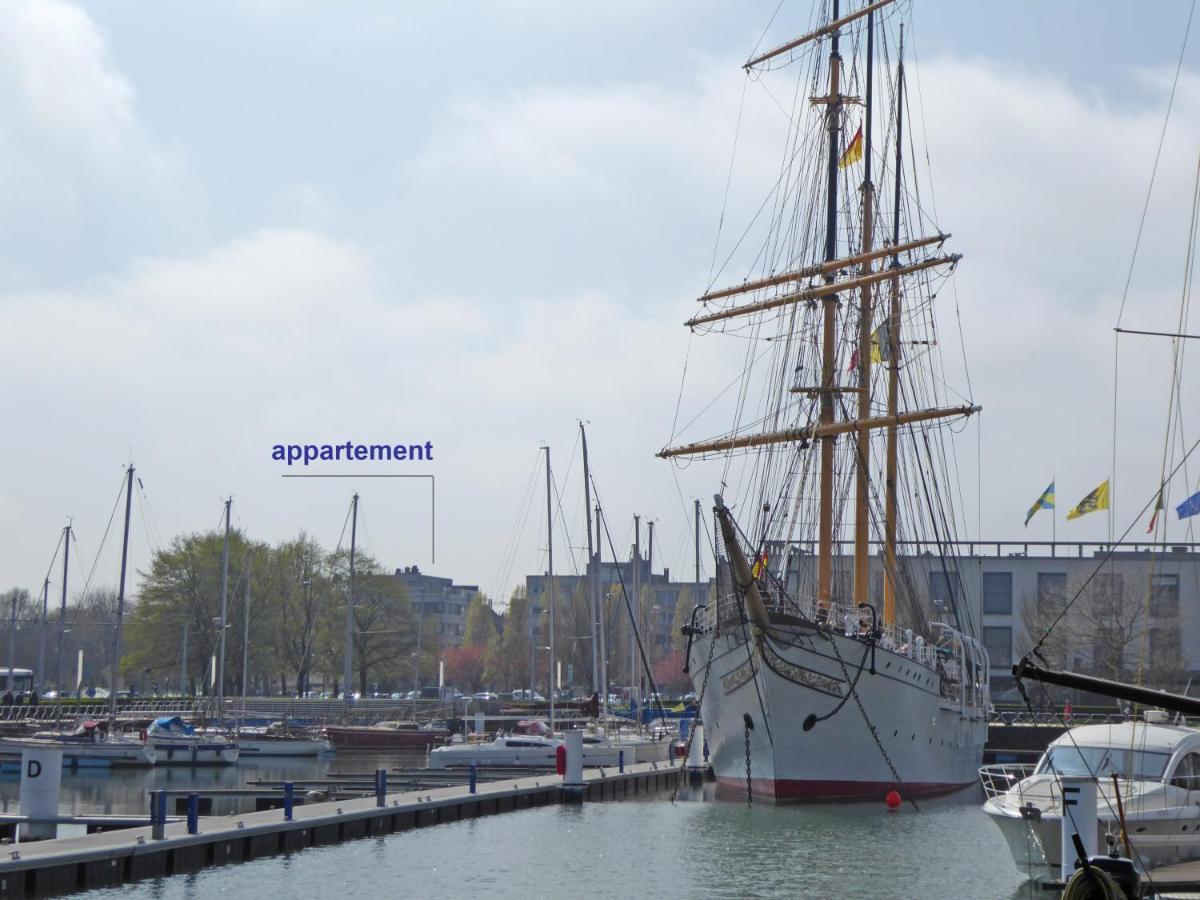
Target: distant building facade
<point>1137,613</point>
<point>439,604</point>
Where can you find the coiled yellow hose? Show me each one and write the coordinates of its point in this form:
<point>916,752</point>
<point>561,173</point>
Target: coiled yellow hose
<point>1099,885</point>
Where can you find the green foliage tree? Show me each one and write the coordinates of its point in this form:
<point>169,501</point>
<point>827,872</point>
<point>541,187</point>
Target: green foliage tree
<point>480,623</point>
<point>506,662</point>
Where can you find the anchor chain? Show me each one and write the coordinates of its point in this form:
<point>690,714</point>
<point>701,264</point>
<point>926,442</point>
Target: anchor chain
<point>748,725</point>
<point>870,725</point>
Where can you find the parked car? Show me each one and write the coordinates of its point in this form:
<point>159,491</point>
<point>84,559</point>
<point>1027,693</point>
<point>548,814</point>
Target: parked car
<point>486,696</point>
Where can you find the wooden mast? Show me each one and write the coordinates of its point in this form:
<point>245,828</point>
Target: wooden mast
<point>833,105</point>
<point>862,449</point>
<point>893,365</point>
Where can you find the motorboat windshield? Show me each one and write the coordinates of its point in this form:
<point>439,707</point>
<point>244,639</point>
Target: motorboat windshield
<point>1100,762</point>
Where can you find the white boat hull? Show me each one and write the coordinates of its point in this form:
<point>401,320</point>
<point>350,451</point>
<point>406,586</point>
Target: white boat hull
<point>101,754</point>
<point>933,744</point>
<point>171,751</point>
<point>252,747</point>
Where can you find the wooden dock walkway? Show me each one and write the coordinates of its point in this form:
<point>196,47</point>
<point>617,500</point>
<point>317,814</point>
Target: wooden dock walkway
<point>112,858</point>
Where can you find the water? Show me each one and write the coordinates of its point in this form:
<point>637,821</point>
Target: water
<point>126,791</point>
<point>697,847</point>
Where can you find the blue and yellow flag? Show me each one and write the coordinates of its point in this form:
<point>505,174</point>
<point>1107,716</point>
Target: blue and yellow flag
<point>1046,501</point>
<point>1096,500</point>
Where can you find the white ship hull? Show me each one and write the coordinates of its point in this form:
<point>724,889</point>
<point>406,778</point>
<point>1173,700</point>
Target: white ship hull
<point>934,741</point>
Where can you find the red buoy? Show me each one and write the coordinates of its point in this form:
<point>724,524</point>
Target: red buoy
<point>892,800</point>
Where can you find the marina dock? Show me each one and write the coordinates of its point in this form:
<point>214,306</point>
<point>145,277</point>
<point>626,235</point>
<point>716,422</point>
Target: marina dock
<point>113,858</point>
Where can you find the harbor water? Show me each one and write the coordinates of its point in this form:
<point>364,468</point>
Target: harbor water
<point>695,847</point>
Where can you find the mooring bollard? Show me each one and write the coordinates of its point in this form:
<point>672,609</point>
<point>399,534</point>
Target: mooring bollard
<point>193,814</point>
<point>288,793</point>
<point>572,789</point>
<point>41,778</point>
<point>381,787</point>
<point>158,815</point>
<point>621,761</point>
<point>474,777</point>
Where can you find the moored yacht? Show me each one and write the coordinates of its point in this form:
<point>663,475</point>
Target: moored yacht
<point>1158,779</point>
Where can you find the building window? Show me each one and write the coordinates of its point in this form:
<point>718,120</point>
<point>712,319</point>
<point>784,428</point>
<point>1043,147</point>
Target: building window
<point>1164,644</point>
<point>997,593</point>
<point>998,641</point>
<point>943,589</point>
<point>1164,596</point>
<point>1052,590</point>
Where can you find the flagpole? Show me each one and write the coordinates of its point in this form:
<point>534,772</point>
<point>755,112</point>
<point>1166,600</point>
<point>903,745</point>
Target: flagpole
<point>1054,518</point>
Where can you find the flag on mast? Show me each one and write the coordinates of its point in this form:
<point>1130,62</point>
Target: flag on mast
<point>1158,506</point>
<point>854,152</point>
<point>1189,507</point>
<point>1046,501</point>
<point>1093,502</point>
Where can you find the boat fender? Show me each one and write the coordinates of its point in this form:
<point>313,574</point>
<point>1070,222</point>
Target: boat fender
<point>560,759</point>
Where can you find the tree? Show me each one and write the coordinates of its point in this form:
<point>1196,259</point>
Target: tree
<point>182,590</point>
<point>506,661</point>
<point>480,625</point>
<point>464,667</point>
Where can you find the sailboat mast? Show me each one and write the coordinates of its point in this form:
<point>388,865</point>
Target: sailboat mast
<point>41,657</point>
<point>62,611</point>
<point>224,616</point>
<point>594,627</point>
<point>834,112</point>
<point>862,473</point>
<point>634,683</point>
<point>246,634</point>
<point>112,704</point>
<point>348,668</point>
<point>601,627</point>
<point>550,578</point>
<point>893,367</point>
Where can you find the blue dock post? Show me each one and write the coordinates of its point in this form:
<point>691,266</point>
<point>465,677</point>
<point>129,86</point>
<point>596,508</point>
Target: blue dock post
<point>381,787</point>
<point>193,814</point>
<point>288,791</point>
<point>158,815</point>
<point>474,777</point>
<point>621,761</point>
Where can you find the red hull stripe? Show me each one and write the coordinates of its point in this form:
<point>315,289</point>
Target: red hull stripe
<point>792,790</point>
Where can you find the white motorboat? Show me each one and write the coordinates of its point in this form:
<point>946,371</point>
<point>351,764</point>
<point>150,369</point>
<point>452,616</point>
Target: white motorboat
<point>177,744</point>
<point>1158,769</point>
<point>532,751</point>
<point>88,746</point>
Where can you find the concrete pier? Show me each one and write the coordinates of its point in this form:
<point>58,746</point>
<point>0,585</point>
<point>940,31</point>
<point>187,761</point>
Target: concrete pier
<point>108,859</point>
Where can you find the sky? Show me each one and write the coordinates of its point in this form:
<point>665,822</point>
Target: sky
<point>229,225</point>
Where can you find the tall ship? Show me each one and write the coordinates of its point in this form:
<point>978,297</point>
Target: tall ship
<point>835,439</point>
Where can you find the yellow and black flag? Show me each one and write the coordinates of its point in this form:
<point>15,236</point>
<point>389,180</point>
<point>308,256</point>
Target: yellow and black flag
<point>1093,502</point>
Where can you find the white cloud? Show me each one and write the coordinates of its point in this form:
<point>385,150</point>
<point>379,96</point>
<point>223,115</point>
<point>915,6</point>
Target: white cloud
<point>68,113</point>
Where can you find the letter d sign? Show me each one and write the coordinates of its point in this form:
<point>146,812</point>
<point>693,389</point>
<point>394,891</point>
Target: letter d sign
<point>34,768</point>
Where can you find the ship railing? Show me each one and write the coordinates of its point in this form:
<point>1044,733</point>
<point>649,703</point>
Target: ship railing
<point>1001,778</point>
<point>959,660</point>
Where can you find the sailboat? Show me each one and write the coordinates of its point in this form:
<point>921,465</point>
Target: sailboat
<point>817,683</point>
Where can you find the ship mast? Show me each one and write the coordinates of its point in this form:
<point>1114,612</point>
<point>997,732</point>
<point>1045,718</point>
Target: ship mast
<point>833,107</point>
<point>893,368</point>
<point>862,479</point>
